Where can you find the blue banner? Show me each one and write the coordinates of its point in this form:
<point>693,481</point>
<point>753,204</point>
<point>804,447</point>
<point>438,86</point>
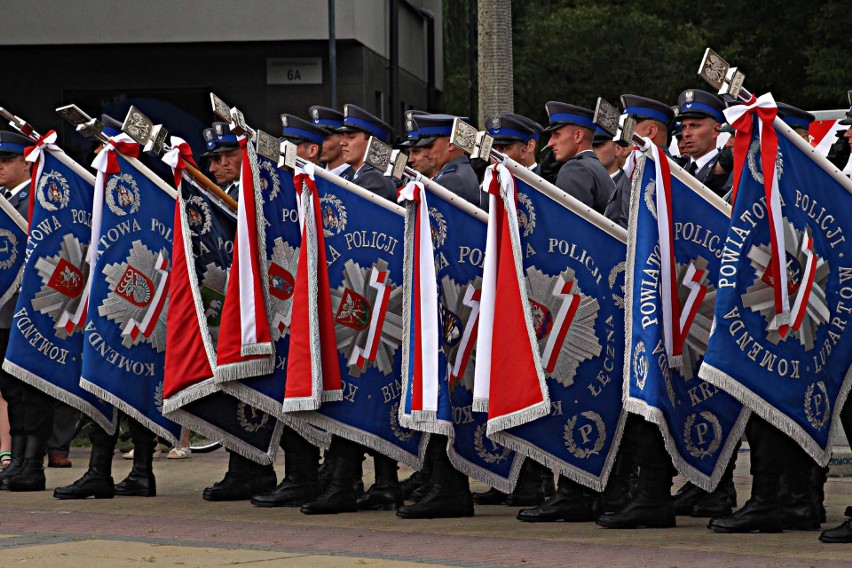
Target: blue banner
<point>364,248</point>
<point>13,241</point>
<point>796,378</point>
<point>575,280</point>
<point>46,339</point>
<point>459,245</point>
<point>700,423</point>
<point>125,338</point>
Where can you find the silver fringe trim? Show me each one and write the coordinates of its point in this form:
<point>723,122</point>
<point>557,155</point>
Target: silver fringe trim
<point>230,441</point>
<point>102,420</point>
<point>300,404</point>
<point>272,407</point>
<point>251,349</point>
<point>189,394</point>
<point>406,420</point>
<point>243,370</point>
<point>519,417</point>
<point>364,438</point>
<point>570,471</point>
<point>313,297</point>
<point>774,416</point>
<point>635,197</point>
<point>705,482</point>
<point>332,396</point>
<point>506,485</point>
<point>480,405</point>
<point>13,287</point>
<point>129,410</point>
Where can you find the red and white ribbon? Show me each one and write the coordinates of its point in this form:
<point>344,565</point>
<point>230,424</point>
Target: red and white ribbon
<point>178,157</point>
<point>562,323</point>
<point>803,295</point>
<point>424,320</point>
<point>458,367</point>
<point>691,280</point>
<point>33,154</point>
<point>741,117</point>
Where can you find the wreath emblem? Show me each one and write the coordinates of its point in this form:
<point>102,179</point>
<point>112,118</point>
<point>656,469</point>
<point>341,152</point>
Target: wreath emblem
<point>495,454</point>
<point>10,242</point>
<point>817,416</point>
<point>714,444</point>
<point>438,227</point>
<point>333,215</point>
<point>198,215</point>
<point>253,420</point>
<point>640,365</point>
<point>526,214</point>
<point>619,268</point>
<point>122,195</point>
<point>269,182</point>
<point>53,191</point>
<point>754,162</point>
<point>403,434</point>
<point>650,195</point>
<point>568,435</point>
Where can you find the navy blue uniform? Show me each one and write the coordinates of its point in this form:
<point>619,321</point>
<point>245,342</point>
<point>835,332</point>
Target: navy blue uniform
<point>585,179</point>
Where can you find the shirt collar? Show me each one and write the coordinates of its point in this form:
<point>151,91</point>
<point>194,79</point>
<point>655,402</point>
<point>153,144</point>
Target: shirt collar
<point>705,159</point>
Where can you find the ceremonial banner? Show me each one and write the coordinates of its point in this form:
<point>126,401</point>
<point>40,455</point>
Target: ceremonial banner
<point>204,240</point>
<point>46,339</point>
<point>364,252</point>
<point>674,248</point>
<point>794,374</point>
<point>125,338</point>
<point>13,239</point>
<point>445,244</point>
<point>245,344</point>
<point>573,293</point>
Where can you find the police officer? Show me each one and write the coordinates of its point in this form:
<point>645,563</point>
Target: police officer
<point>330,121</point>
<point>417,154</point>
<point>244,478</point>
<point>610,152</point>
<point>517,137</point>
<point>30,410</point>
<point>97,480</point>
<point>643,443</point>
<point>701,118</point>
<point>453,165</point>
<point>582,177</point>
<point>224,157</point>
<point>358,126</point>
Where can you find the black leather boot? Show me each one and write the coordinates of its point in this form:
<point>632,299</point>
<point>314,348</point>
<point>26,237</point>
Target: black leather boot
<point>490,497</point>
<point>819,475</point>
<point>616,494</point>
<point>97,482</point>
<point>722,501</point>
<point>417,479</point>
<point>761,513</point>
<point>301,475</point>
<point>652,507</point>
<point>449,491</point>
<point>799,510</point>
<point>840,533</point>
<point>338,494</point>
<point>140,482</point>
<point>19,448</point>
<point>385,494</point>
<point>570,503</point>
<point>687,497</point>
<point>242,481</point>
<point>535,486</point>
<point>31,476</point>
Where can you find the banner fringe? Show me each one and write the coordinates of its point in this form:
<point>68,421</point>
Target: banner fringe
<point>102,420</point>
<point>190,394</point>
<point>253,349</point>
<point>506,485</point>
<point>229,441</point>
<point>518,418</point>
<point>129,410</point>
<point>480,405</point>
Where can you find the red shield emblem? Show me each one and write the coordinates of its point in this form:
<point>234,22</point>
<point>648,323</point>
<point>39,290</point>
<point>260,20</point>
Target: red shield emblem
<point>794,274</point>
<point>281,282</point>
<point>135,287</point>
<point>542,319</point>
<point>354,311</point>
<point>67,279</point>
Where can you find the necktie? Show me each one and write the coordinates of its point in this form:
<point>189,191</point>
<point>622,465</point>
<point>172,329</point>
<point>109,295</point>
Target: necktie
<point>692,168</point>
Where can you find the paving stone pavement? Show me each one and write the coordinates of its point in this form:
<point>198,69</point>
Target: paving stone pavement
<point>178,528</point>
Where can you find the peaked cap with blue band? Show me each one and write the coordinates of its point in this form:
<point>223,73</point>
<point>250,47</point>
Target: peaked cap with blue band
<point>561,114</point>
<point>432,126</point>
<point>642,108</point>
<point>326,118</point>
<point>12,144</point>
<point>795,117</point>
<point>356,119</point>
<point>219,138</point>
<point>695,103</point>
<point>412,130</point>
<point>508,128</point>
<point>298,130</point>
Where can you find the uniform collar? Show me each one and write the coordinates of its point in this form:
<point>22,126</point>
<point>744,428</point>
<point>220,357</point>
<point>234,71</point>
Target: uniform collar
<point>705,159</point>
<point>18,189</point>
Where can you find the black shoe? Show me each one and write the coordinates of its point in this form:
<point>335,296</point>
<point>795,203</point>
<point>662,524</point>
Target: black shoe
<point>718,503</point>
<point>840,533</point>
<point>640,513</point>
<point>686,498</point>
<point>31,475</point>
<point>415,481</point>
<point>19,446</point>
<point>440,503</point>
<point>343,462</point>
<point>287,494</point>
<point>491,497</point>
<point>421,492</point>
<point>380,497</point>
<point>569,503</point>
<point>243,480</point>
<point>92,484</point>
<point>137,484</point>
<point>755,516</point>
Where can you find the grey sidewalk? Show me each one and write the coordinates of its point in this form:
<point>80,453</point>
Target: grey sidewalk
<point>178,528</point>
